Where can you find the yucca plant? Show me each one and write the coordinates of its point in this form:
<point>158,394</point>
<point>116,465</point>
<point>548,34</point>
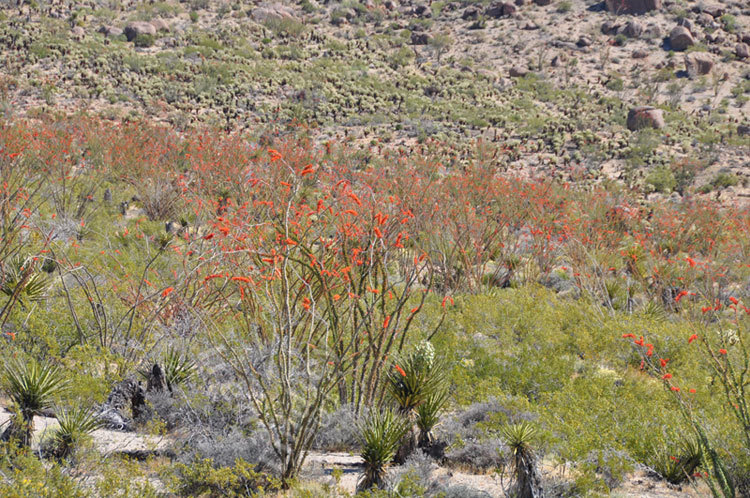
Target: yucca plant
<point>519,437</point>
<point>75,425</point>
<point>32,387</point>
<point>678,466</point>
<point>428,416</point>
<point>380,436</point>
<point>178,367</point>
<point>415,377</point>
<point>15,274</point>
<point>411,382</point>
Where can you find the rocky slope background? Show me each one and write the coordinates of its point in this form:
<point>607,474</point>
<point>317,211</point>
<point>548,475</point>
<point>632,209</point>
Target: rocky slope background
<point>549,84</point>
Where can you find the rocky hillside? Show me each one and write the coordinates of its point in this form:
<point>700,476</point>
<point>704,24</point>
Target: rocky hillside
<point>551,84</point>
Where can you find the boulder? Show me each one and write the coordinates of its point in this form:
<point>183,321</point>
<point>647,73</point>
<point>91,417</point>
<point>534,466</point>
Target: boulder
<point>273,12</point>
<point>542,3</point>
<point>470,14</point>
<point>138,28</point>
<point>78,33</point>
<point>742,51</point>
<point>610,27</point>
<point>160,25</point>
<point>110,31</point>
<point>680,38</point>
<point>640,53</point>
<point>633,29</point>
<point>743,130</point>
<point>652,31</point>
<point>584,41</point>
<point>518,72</point>
<point>420,38</point>
<point>698,63</point>
<point>706,20</point>
<point>500,9</point>
<point>422,10</point>
<point>632,6</point>
<point>712,10</point>
<point>645,117</point>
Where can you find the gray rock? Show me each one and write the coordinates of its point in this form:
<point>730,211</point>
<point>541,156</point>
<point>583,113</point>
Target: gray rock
<point>633,29</point>
<point>698,63</point>
<point>542,3</point>
<point>160,25</point>
<point>420,38</point>
<point>78,33</point>
<point>641,53</point>
<point>743,130</point>
<point>273,11</point>
<point>518,72</point>
<point>110,31</point>
<point>632,6</point>
<point>610,27</point>
<point>680,38</point>
<point>422,10</point>
<point>714,10</point>
<point>137,28</point>
<point>500,9</point>
<point>742,51</point>
<point>470,14</point>
<point>584,41</point>
<point>645,117</point>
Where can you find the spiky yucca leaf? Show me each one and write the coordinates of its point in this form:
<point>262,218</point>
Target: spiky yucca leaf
<point>415,377</point>
<point>178,368</point>
<point>519,438</point>
<point>428,415</point>
<point>34,286</point>
<point>381,436</point>
<point>32,386</point>
<point>75,424</point>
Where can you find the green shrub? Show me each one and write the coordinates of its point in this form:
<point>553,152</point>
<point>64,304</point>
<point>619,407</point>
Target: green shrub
<point>661,179</point>
<point>144,40</point>
<point>202,477</point>
<point>564,6</point>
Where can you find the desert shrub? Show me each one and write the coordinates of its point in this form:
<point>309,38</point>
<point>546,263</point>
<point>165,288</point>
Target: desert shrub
<point>661,179</point>
<point>564,6</point>
<point>144,40</point>
<point>482,456</point>
<point>204,477</point>
<point>159,197</point>
<point>338,431</point>
<point>724,180</point>
<point>26,475</point>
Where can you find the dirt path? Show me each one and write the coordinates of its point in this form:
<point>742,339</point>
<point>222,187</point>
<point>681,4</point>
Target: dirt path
<point>108,442</point>
<point>320,467</point>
